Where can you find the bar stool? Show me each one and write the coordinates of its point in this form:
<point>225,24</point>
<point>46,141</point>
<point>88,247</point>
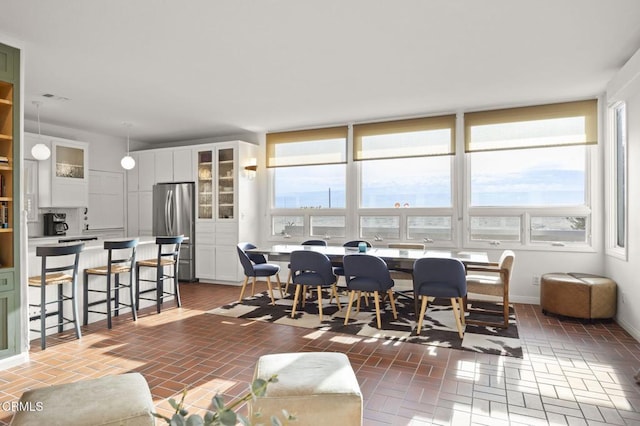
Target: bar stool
<point>168,255</point>
<point>116,265</point>
<point>58,276</point>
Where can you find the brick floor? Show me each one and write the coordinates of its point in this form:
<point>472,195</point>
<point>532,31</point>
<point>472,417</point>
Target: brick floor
<point>572,373</point>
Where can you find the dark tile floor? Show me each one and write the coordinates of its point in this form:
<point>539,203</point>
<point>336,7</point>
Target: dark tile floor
<point>571,374</point>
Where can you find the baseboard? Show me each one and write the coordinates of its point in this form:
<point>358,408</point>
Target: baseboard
<point>14,361</point>
<point>634,332</point>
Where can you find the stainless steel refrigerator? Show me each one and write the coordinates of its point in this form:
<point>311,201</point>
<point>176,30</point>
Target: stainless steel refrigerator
<point>174,213</point>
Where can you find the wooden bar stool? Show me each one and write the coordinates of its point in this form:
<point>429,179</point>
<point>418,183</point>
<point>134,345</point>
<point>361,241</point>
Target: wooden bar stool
<point>58,276</point>
<point>116,265</point>
<point>168,256</point>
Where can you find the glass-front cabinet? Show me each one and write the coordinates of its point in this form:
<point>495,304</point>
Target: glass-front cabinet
<point>70,162</point>
<point>216,183</point>
<point>226,181</point>
<point>205,184</point>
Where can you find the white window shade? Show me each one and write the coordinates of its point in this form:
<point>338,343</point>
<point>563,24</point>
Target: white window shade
<point>418,137</point>
<point>570,123</point>
<point>307,147</point>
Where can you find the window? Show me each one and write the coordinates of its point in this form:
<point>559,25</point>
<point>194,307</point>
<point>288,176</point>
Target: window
<point>406,182</point>
<point>429,228</point>
<point>287,226</point>
<point>495,228</point>
<point>620,165</point>
<point>309,167</point>
<point>309,187</point>
<point>532,164</point>
<point>376,227</point>
<point>559,229</point>
<point>328,226</point>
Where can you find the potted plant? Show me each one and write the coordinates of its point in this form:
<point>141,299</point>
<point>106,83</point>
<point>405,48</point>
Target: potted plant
<point>224,415</point>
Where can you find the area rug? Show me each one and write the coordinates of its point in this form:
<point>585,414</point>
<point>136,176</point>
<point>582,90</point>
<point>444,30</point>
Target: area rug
<point>438,328</point>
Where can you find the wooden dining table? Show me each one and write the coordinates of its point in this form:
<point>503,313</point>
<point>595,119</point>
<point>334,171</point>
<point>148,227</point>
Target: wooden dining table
<point>395,258</point>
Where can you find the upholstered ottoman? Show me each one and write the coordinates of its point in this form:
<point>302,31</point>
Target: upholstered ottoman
<point>112,400</point>
<point>578,295</point>
<point>318,388</point>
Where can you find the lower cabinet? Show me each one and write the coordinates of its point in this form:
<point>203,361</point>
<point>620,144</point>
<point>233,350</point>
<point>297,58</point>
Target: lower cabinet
<point>8,315</point>
<point>216,254</point>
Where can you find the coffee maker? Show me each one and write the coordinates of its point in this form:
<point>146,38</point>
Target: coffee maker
<point>55,224</point>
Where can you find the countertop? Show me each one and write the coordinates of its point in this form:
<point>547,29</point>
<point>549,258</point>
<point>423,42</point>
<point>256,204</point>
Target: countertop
<point>91,244</point>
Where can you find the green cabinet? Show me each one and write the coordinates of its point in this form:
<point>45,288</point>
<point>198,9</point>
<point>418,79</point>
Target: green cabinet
<point>10,194</point>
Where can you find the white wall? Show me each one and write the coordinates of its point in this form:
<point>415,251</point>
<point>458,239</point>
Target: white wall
<point>625,86</point>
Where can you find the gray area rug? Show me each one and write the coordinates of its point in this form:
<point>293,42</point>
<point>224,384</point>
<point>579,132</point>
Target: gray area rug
<point>438,328</point>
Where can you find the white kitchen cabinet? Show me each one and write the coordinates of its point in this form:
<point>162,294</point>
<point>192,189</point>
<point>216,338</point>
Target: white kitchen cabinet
<point>133,214</point>
<point>227,264</point>
<point>183,165</point>
<point>145,212</point>
<point>63,179</point>
<point>146,166</point>
<point>106,200</point>
<point>163,166</point>
<point>132,175</point>
<point>205,251</point>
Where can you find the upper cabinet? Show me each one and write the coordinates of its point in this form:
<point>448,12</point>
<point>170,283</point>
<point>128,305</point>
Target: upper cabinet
<point>63,179</point>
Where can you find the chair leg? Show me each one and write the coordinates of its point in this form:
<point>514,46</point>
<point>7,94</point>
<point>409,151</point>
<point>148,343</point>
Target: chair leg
<point>60,308</point>
<point>320,302</point>
<point>393,304</point>
<point>116,287</point>
<point>108,302</point>
<point>176,288</point>
<point>253,285</point>
<point>423,310</point>
<point>295,301</point>
<point>131,296</point>
<point>286,286</point>
<point>505,307</point>
<point>461,306</point>
<point>273,301</point>
<point>376,300</point>
<point>456,314</point>
<point>244,286</point>
<point>335,293</point>
<point>159,287</point>
<point>74,305</point>
<point>43,317</point>
<point>359,299</point>
<point>85,293</point>
<point>346,317</point>
<point>279,286</point>
<point>137,286</point>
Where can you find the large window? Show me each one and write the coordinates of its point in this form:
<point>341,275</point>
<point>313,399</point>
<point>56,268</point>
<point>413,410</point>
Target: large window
<point>532,163</point>
<point>523,180</point>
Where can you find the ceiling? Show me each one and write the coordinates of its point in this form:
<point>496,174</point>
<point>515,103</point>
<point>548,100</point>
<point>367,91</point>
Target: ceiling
<point>179,70</point>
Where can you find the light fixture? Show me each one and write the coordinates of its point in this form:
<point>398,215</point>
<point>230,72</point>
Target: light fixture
<point>127,161</point>
<point>40,151</point>
<point>250,170</point>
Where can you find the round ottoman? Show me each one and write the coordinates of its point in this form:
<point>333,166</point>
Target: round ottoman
<point>578,295</point>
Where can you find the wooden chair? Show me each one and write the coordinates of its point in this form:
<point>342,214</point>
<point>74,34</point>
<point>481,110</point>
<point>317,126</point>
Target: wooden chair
<point>65,273</point>
<point>168,257</point>
<point>313,269</point>
<point>492,280</point>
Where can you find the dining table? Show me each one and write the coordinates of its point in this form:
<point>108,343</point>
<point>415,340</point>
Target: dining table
<point>395,258</point>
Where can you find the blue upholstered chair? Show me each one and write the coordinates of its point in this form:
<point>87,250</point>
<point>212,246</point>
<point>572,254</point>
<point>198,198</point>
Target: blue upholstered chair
<point>370,274</point>
<point>255,265</point>
<point>313,269</point>
<point>339,270</point>
<point>440,277</point>
<point>322,243</point>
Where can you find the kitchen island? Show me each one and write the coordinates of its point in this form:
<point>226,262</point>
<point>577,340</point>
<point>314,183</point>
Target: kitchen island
<point>93,255</point>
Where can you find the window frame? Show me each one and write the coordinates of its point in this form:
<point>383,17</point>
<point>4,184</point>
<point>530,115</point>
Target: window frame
<point>611,152</point>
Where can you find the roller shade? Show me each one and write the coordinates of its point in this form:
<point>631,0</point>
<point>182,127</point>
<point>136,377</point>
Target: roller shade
<point>417,137</point>
<point>570,123</point>
<point>307,147</point>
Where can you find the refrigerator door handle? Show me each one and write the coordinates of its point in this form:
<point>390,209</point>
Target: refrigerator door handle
<point>167,214</point>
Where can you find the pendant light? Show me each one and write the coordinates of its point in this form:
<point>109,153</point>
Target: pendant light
<point>40,151</point>
<point>127,161</point>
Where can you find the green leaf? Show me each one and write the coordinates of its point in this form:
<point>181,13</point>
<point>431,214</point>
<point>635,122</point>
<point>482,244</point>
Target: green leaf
<point>244,420</point>
<point>228,418</point>
<point>174,404</point>
<point>195,420</point>
<point>259,387</point>
<point>218,402</point>
<point>209,417</point>
<point>275,421</point>
<point>177,420</point>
